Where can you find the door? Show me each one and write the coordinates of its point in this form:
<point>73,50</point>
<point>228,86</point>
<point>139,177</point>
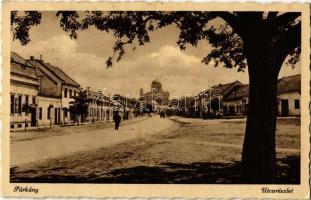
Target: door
<point>284,107</point>
<point>33,117</point>
<point>55,114</point>
<point>58,116</point>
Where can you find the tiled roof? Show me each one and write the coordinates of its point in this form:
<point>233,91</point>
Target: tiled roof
<point>18,58</point>
<point>285,85</point>
<point>100,96</point>
<point>289,84</point>
<point>21,67</point>
<point>240,92</point>
<point>221,89</point>
<point>62,75</point>
<point>56,71</point>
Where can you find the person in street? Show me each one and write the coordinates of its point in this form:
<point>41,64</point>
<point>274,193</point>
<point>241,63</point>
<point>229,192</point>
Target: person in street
<point>117,121</point>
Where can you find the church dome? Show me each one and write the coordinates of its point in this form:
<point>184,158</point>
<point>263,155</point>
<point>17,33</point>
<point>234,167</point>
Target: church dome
<point>156,81</point>
<point>156,84</point>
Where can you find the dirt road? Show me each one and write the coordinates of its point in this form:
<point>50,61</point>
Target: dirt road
<point>38,149</point>
<point>176,150</point>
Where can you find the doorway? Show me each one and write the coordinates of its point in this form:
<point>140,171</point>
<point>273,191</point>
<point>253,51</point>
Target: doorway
<point>284,107</point>
<point>33,112</point>
<point>55,113</point>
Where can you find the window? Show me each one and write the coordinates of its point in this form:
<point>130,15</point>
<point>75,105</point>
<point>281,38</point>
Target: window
<point>12,104</point>
<point>49,113</point>
<point>74,93</point>
<point>297,104</point>
<point>20,104</point>
<point>40,113</point>
<point>19,125</point>
<point>33,100</point>
<point>70,93</point>
<point>12,126</point>
<point>65,93</point>
<point>27,104</point>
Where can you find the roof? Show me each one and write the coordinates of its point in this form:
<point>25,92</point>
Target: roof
<point>18,58</point>
<point>285,85</point>
<point>57,72</point>
<point>289,84</point>
<point>62,75</point>
<point>238,93</point>
<point>221,89</point>
<point>98,95</point>
<point>156,81</point>
<point>21,67</point>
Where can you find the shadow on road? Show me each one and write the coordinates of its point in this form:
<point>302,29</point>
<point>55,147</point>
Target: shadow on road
<point>177,173</point>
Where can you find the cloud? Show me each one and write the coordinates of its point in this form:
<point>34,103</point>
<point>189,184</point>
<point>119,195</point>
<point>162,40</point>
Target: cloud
<point>169,55</point>
<point>181,72</point>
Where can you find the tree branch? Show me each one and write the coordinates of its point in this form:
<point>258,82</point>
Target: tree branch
<point>284,19</point>
<point>271,15</point>
<point>291,38</point>
<point>232,20</point>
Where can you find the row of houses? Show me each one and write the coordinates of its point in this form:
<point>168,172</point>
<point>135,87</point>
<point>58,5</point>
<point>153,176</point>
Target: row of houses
<point>41,95</point>
<point>232,100</point>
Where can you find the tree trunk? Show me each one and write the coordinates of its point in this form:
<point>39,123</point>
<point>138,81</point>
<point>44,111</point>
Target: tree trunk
<point>259,154</point>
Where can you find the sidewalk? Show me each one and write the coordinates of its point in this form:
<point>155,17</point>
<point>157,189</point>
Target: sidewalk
<point>57,130</point>
<point>52,147</point>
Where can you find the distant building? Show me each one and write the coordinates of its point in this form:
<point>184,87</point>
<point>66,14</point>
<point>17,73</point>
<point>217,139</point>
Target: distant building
<point>100,107</point>
<point>156,95</point>
<point>125,106</point>
<point>288,98</point>
<point>289,95</point>
<point>211,101</point>
<point>236,103</point>
<point>23,93</point>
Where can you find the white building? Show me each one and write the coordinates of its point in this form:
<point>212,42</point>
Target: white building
<point>23,93</point>
<point>237,102</point>
<point>56,92</point>
<point>100,107</point>
<point>288,98</point>
<point>289,94</point>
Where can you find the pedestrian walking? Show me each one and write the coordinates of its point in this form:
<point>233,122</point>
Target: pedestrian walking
<point>117,121</point>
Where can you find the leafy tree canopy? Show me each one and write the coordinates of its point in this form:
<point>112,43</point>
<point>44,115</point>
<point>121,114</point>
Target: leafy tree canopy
<point>130,27</point>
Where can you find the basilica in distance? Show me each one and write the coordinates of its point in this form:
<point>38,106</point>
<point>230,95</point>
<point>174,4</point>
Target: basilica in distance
<point>156,94</point>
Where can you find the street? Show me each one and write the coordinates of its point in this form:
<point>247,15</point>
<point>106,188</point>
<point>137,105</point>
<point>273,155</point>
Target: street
<point>149,150</point>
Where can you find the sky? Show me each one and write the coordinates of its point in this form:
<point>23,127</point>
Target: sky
<point>180,72</point>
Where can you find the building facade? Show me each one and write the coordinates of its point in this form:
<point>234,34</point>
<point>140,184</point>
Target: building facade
<point>211,102</point>
<point>236,103</point>
<point>127,107</point>
<point>289,96</point>
<point>56,91</point>
<point>23,93</point>
<point>100,107</point>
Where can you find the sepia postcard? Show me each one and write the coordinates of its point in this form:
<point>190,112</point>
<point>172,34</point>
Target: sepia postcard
<point>168,100</point>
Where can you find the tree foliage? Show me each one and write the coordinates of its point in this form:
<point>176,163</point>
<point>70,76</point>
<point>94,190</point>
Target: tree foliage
<point>21,24</point>
<point>79,106</point>
<point>131,28</point>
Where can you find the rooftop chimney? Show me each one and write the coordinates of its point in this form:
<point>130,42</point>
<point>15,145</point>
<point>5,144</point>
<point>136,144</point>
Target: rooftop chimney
<point>31,57</point>
<point>40,57</point>
<point>88,90</point>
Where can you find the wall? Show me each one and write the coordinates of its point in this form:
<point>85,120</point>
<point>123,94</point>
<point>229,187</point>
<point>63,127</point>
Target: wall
<point>17,121</point>
<point>99,113</point>
<point>65,101</point>
<point>291,103</point>
<point>239,107</point>
<point>44,103</point>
